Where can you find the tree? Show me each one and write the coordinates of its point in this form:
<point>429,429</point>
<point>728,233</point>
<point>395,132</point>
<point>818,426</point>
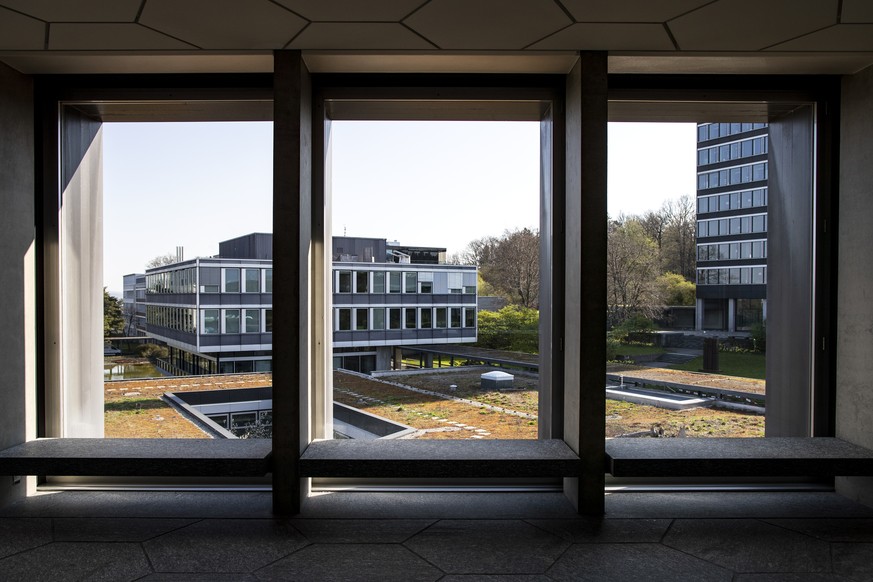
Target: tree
<point>676,289</point>
<point>631,272</point>
<point>654,224</point>
<point>161,261</point>
<point>478,252</point>
<point>513,328</point>
<point>679,247</point>
<point>113,318</point>
<point>512,266</point>
<point>130,327</point>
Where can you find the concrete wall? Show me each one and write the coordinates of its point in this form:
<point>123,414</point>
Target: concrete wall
<point>17,413</point>
<point>854,418</point>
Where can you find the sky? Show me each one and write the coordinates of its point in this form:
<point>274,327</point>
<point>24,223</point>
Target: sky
<point>438,184</point>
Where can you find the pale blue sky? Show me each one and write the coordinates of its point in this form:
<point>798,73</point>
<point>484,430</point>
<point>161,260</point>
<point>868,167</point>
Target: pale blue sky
<point>422,183</point>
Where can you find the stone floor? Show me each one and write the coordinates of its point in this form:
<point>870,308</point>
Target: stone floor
<point>452,537</point>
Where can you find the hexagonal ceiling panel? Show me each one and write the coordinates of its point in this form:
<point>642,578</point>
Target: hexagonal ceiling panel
<point>487,24</point>
<point>353,10</point>
<point>19,32</point>
<point>79,11</point>
<point>630,10</point>
<point>109,36</point>
<point>224,24</point>
<point>608,36</point>
<point>857,11</point>
<point>749,25</point>
<point>347,35</point>
<point>842,37</point>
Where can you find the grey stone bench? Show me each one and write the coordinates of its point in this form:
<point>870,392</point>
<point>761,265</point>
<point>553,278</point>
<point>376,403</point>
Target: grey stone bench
<point>139,457</point>
<point>736,457</point>
<point>440,458</point>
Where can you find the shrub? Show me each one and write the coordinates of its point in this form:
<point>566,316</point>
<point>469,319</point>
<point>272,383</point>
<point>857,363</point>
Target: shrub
<point>759,337</point>
<point>634,323</point>
<point>152,351</point>
<point>612,346</point>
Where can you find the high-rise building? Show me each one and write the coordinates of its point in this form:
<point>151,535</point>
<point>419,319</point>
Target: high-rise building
<point>732,178</point>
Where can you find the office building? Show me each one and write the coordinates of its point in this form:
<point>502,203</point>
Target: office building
<point>732,172</point>
<point>215,314</point>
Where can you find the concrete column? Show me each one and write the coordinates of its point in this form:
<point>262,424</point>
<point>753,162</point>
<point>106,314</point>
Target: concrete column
<point>17,271</point>
<point>383,358</point>
<point>854,414</point>
<point>302,365</point>
<point>698,315</point>
<point>764,310</point>
<point>398,358</point>
<point>732,315</point>
<point>427,361</point>
<point>584,314</point>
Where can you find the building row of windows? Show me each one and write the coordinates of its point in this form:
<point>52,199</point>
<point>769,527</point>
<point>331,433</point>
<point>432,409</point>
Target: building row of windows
<point>403,282</point>
<point>732,151</point>
<point>177,281</point>
<point>212,280</point>
<point>732,176</point>
<point>756,198</point>
<point>737,251</point>
<point>382,318</point>
<point>709,131</point>
<point>235,321</point>
<point>756,223</point>
<point>243,280</point>
<point>732,276</point>
<point>177,318</point>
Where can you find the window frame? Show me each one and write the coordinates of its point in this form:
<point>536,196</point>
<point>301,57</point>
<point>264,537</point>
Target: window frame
<point>297,109</point>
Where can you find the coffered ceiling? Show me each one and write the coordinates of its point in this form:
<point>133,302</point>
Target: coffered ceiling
<point>758,36</point>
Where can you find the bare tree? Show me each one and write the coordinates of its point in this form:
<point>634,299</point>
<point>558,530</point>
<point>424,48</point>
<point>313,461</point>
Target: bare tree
<point>130,327</point>
<point>478,252</point>
<point>654,224</point>
<point>679,249</point>
<point>632,270</point>
<point>512,266</point>
<point>162,260</point>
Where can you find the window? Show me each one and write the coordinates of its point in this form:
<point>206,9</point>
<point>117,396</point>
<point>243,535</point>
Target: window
<point>455,317</point>
<point>378,281</point>
<point>231,321</point>
<point>395,278</point>
<point>378,318</point>
<point>410,282</point>
<point>409,321</point>
<point>394,318</point>
<point>253,320</point>
<point>362,281</point>
<point>210,280</point>
<point>231,280</point>
<point>441,320</point>
<point>268,320</point>
<point>362,322</point>
<point>253,280</point>
<point>268,280</point>
<point>344,319</point>
<point>344,282</point>
<point>469,317</point>
<point>425,318</point>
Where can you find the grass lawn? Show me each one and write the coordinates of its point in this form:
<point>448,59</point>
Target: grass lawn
<point>750,365</point>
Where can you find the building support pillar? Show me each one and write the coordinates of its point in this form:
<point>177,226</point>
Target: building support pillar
<point>732,315</point>
<point>295,293</point>
<point>698,315</point>
<point>584,289</point>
